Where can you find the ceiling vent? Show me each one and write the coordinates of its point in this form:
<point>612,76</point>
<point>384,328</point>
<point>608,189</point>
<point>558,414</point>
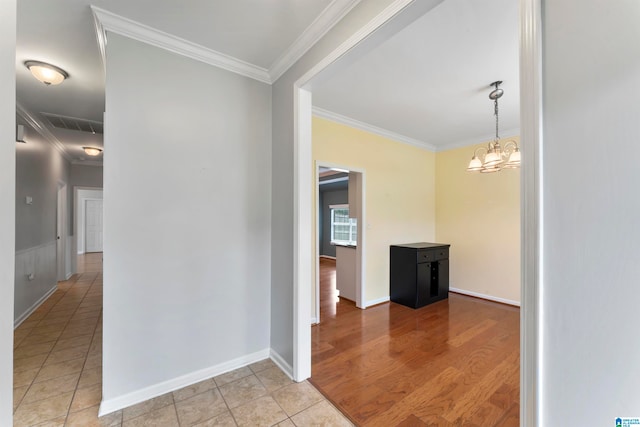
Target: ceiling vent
<point>74,123</point>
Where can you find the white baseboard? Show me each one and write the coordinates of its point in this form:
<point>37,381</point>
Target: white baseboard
<point>483,296</point>
<point>68,276</point>
<point>328,257</point>
<point>314,321</point>
<point>282,364</point>
<point>129,399</point>
<point>376,301</point>
<point>34,307</point>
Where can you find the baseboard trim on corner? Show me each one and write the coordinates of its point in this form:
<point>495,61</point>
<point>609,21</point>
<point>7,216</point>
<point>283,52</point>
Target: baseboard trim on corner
<point>282,364</point>
<point>129,399</point>
<point>377,301</point>
<point>328,257</point>
<point>68,276</point>
<point>483,296</point>
<point>34,307</point>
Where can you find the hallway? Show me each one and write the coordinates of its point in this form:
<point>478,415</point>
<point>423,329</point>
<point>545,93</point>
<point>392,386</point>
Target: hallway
<point>58,354</point>
<point>58,376</point>
<point>452,363</point>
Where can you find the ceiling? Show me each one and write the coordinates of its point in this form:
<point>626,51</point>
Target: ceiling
<point>429,83</point>
<point>264,33</point>
<point>426,84</point>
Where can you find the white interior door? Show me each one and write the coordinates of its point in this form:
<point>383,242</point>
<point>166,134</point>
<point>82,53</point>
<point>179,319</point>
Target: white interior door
<point>93,226</point>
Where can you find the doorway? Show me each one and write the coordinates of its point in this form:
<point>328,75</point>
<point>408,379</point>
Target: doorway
<point>530,79</point>
<point>88,202</point>
<point>339,234</point>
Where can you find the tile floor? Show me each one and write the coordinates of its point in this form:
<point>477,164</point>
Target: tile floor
<point>58,376</point>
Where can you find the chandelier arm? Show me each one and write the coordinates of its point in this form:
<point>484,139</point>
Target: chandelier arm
<point>475,153</point>
<point>510,146</point>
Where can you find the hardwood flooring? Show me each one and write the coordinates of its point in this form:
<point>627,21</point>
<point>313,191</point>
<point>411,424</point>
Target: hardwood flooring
<point>452,363</point>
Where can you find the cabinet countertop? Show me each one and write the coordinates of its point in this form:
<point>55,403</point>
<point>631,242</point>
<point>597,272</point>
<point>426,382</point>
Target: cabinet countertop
<point>423,245</point>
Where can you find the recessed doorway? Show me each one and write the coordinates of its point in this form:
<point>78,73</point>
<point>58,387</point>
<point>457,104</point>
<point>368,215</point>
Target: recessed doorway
<point>340,239</point>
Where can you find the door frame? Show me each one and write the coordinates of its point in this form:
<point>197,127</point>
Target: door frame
<point>61,232</point>
<point>84,219</point>
<point>76,209</point>
<point>531,205</point>
<point>361,262</point>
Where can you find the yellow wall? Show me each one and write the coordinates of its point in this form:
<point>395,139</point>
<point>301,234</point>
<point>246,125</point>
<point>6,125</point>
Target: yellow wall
<point>479,215</point>
<point>399,193</point>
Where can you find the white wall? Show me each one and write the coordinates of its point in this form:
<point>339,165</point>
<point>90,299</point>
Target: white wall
<point>7,207</point>
<point>589,368</point>
<point>40,168</point>
<point>187,205</point>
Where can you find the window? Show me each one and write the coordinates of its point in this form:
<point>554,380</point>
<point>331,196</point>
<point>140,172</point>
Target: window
<point>344,230</point>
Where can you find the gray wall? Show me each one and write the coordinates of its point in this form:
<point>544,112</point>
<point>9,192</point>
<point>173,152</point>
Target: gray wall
<point>7,208</point>
<point>328,198</point>
<point>589,368</point>
<point>40,168</point>
<point>186,219</point>
<point>86,176</point>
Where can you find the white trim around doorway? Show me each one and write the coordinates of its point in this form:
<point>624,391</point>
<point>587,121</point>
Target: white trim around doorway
<point>531,201</point>
<point>361,262</point>
<point>531,205</point>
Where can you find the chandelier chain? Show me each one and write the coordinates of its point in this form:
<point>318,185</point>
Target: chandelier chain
<point>495,111</point>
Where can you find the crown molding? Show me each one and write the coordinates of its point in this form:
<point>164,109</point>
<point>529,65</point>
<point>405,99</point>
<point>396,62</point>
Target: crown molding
<point>43,130</point>
<point>347,121</point>
<point>478,140</point>
<point>101,36</point>
<point>107,21</point>
<point>330,16</point>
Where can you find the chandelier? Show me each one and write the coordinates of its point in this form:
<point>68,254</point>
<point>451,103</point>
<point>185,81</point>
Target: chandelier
<point>494,157</point>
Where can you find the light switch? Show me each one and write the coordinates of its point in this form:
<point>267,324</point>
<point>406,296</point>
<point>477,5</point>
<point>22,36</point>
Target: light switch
<point>28,200</point>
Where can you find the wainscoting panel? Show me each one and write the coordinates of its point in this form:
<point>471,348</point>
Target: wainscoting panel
<point>35,279</point>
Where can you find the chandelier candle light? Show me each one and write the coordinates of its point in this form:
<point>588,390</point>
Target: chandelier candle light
<point>495,157</point>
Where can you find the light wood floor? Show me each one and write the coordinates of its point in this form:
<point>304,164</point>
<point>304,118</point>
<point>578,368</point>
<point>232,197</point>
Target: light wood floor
<point>452,363</point>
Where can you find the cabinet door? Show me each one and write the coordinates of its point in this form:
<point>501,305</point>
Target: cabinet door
<point>423,284</point>
<point>443,278</point>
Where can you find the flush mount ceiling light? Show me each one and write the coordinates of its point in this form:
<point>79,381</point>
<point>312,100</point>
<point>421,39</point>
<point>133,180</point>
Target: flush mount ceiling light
<point>46,73</point>
<point>92,151</point>
<point>495,158</point>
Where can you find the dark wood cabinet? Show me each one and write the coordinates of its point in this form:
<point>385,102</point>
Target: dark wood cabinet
<point>419,273</point>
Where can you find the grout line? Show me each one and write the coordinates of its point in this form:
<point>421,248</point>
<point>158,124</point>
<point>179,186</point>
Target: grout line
<point>48,353</point>
<point>175,408</point>
<point>86,355</point>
